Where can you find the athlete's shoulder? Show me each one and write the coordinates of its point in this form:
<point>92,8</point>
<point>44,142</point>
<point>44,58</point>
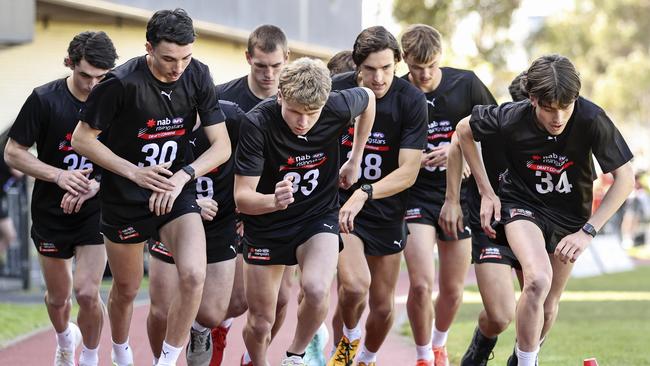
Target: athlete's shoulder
<point>132,66</point>
<point>196,66</point>
<point>263,113</point>
<point>230,109</point>
<point>406,90</point>
<point>52,89</point>
<point>344,80</point>
<point>587,110</point>
<point>232,85</point>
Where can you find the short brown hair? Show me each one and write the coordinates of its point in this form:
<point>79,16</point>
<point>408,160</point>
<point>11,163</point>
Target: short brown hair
<point>305,81</point>
<point>421,42</point>
<point>552,79</point>
<point>341,62</point>
<point>374,39</point>
<point>267,38</point>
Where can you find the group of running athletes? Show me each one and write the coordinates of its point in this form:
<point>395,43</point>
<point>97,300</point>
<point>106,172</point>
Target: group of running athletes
<point>338,175</point>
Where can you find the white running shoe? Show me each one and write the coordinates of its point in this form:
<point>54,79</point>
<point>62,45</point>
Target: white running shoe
<point>293,361</point>
<point>65,357</point>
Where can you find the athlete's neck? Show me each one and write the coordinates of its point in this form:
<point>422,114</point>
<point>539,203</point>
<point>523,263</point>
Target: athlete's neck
<point>79,94</point>
<point>259,92</point>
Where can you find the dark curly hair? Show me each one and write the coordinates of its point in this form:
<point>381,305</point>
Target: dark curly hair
<point>173,26</point>
<point>94,47</point>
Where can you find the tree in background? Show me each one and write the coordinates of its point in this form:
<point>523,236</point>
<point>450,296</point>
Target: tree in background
<point>608,42</point>
<point>487,22</point>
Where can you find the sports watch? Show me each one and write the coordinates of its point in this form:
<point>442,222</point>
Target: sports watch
<point>368,189</point>
<point>189,170</point>
<point>590,229</point>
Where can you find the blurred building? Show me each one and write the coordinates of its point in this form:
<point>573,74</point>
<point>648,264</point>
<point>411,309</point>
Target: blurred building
<point>34,34</point>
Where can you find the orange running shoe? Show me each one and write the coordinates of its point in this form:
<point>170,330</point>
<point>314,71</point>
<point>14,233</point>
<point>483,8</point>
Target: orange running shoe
<point>440,356</point>
<point>424,363</point>
<point>345,352</point>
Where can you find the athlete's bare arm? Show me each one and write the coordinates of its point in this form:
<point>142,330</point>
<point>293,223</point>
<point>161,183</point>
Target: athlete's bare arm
<point>349,172</point>
<point>490,203</point>
<point>398,180</point>
<point>84,141</point>
<point>451,214</point>
<point>571,246</point>
<point>74,181</point>
<point>251,202</point>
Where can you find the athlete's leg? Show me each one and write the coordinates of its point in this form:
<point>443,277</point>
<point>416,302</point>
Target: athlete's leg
<point>262,284</point>
<point>561,274</point>
<point>90,262</point>
<point>237,305</point>
<point>384,271</point>
<point>528,244</point>
<point>163,282</point>
<point>454,260</point>
<point>216,293</point>
<point>420,263</point>
<point>126,265</point>
<point>7,233</point>
<point>317,258</point>
<point>185,237</point>
<point>284,296</point>
<point>353,280</point>
<point>57,274</point>
<point>496,286</point>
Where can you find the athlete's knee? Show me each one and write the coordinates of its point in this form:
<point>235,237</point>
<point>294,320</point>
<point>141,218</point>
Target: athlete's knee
<point>453,295</point>
<point>212,317</point>
<point>315,292</point>
<point>537,285</point>
<point>284,296</point>
<point>354,290</point>
<point>420,291</point>
<point>382,309</point>
<point>158,313</point>
<point>56,301</point>
<point>551,308</point>
<point>87,296</point>
<point>124,291</point>
<point>260,325</point>
<point>237,306</point>
<point>192,278</point>
<point>500,321</point>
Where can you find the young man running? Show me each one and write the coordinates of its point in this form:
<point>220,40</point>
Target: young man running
<point>65,209</point>
<point>372,219</point>
<point>451,94</point>
<point>266,53</point>
<point>546,194</point>
<point>214,194</point>
<point>147,106</point>
<point>286,175</point>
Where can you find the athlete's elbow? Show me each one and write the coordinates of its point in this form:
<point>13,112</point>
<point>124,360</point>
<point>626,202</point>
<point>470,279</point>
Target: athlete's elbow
<point>10,155</point>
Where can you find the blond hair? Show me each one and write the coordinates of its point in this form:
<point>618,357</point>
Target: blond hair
<point>305,81</point>
<point>421,42</point>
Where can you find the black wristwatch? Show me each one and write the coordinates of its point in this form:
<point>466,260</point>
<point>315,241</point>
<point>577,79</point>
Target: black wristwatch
<point>368,189</point>
<point>189,170</point>
<point>590,229</point>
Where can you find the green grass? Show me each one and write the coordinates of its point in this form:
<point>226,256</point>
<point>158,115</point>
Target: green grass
<point>615,332</point>
<point>20,319</point>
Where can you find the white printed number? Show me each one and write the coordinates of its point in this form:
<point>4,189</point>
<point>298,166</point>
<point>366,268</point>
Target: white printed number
<point>74,162</point>
<point>547,186</point>
<point>434,168</point>
<point>371,166</point>
<point>157,155</point>
<point>310,177</point>
<point>204,187</point>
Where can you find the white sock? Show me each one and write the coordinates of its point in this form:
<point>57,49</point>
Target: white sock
<point>527,358</point>
<point>226,323</point>
<point>424,352</point>
<point>366,356</point>
<point>122,354</point>
<point>352,334</point>
<point>247,357</point>
<point>89,357</point>
<point>198,327</point>
<point>439,338</point>
<point>169,355</point>
<point>65,339</point>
